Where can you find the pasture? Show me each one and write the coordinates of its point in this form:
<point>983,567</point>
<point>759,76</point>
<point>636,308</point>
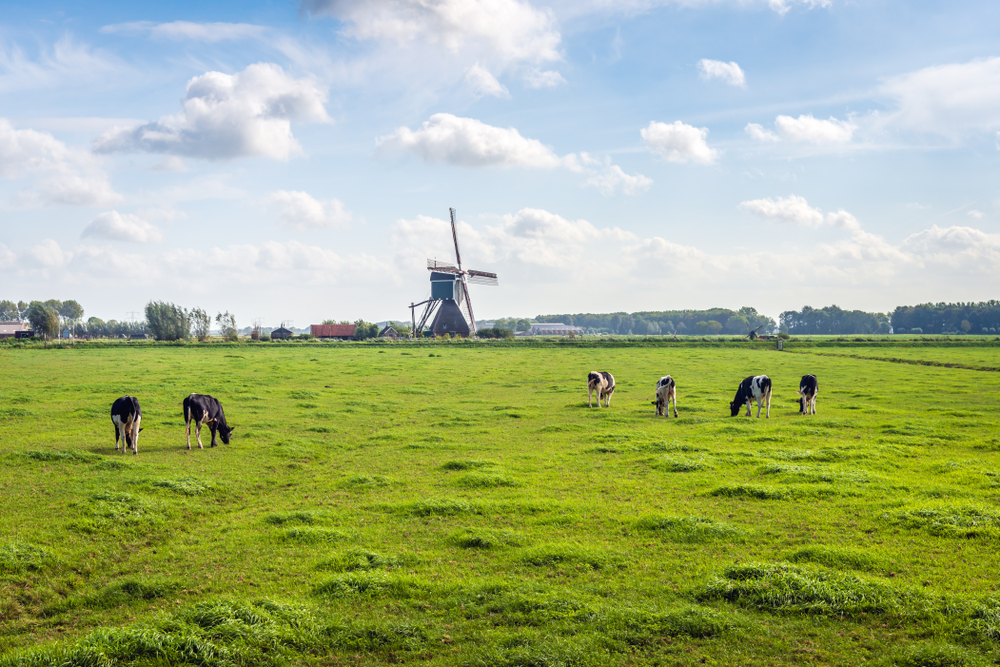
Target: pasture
<point>458,504</point>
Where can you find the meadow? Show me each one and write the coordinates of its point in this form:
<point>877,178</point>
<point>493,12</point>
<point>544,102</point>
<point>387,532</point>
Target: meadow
<point>459,504</point>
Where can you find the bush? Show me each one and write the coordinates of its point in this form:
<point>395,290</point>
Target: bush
<point>495,333</point>
<point>916,330</point>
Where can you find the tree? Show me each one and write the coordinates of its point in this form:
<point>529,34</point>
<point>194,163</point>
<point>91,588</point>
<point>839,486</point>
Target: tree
<point>201,323</point>
<point>166,321</point>
<point>737,324</point>
<point>522,325</point>
<point>44,319</point>
<point>227,325</point>
<point>365,330</point>
<point>12,312</point>
<point>72,312</point>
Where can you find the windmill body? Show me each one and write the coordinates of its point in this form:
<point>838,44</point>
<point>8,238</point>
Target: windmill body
<point>449,302</point>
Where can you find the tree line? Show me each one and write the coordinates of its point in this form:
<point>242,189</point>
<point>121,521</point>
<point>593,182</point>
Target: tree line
<point>833,321</point>
<point>948,318</point>
<point>667,322</point>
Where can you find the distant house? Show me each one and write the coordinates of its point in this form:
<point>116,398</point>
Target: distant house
<point>554,329</point>
<point>388,332</point>
<point>14,330</point>
<point>281,333</point>
<point>335,331</point>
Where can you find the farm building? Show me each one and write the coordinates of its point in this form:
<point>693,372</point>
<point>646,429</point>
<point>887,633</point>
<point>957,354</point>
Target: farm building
<point>335,331</point>
<point>281,333</point>
<point>554,329</point>
<point>14,330</point>
<point>388,332</point>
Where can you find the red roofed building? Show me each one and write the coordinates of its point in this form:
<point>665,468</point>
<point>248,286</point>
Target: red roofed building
<point>340,331</point>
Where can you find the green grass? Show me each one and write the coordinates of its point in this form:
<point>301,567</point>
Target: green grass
<point>381,519</point>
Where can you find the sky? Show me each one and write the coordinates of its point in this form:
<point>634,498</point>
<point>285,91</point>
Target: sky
<point>295,161</point>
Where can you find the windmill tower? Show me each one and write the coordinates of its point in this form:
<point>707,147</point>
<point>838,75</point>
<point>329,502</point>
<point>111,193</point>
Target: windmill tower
<point>450,300</point>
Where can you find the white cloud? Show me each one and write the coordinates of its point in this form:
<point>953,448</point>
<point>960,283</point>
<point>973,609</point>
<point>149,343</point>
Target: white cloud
<point>509,31</point>
<point>228,116</point>
<point>182,30</point>
<point>301,211</point>
<point>468,142</point>
<point>797,211</point>
<point>760,134</point>
<point>66,64</point>
<point>730,72</point>
<point>536,78</point>
<point>117,227</point>
<point>614,179</point>
<point>958,247</point>
<point>782,6</point>
<point>677,142</point>
<point>60,174</point>
<point>950,100</point>
<point>814,130</point>
<point>171,163</point>
<point>973,213</point>
<point>484,83</point>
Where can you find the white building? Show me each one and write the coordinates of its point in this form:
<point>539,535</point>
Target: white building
<point>554,329</point>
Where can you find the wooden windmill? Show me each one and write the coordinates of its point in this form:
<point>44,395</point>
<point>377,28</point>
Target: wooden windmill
<point>450,301</point>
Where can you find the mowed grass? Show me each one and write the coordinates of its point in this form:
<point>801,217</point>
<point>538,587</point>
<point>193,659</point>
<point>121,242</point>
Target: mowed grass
<point>378,504</point>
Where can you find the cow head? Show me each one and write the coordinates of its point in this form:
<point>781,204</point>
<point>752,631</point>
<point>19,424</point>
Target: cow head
<point>224,432</point>
<point>734,408</point>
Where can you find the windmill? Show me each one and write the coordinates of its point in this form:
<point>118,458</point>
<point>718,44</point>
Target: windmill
<point>752,334</point>
<point>450,295</point>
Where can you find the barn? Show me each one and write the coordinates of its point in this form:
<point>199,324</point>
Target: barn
<point>333,331</point>
<point>14,330</point>
<point>281,333</point>
<point>388,331</point>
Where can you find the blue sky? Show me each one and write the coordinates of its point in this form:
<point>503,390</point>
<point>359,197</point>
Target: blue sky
<point>296,161</point>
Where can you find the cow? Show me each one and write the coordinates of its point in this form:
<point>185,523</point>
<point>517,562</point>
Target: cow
<point>604,384</point>
<point>666,389</point>
<point>126,416</point>
<point>202,409</point>
<point>754,388</point>
<point>808,388</point>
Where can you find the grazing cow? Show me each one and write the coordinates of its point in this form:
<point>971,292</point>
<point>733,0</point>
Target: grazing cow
<point>808,388</point>
<point>754,388</point>
<point>666,389</point>
<point>604,384</point>
<point>202,409</point>
<point>126,416</point>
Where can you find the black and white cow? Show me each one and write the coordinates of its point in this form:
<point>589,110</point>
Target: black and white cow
<point>754,388</point>
<point>666,389</point>
<point>202,409</point>
<point>808,388</point>
<point>126,416</point>
<point>604,384</point>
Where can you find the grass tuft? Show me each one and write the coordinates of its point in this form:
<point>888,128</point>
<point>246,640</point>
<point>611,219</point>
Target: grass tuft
<point>750,491</point>
<point>837,558</point>
<point>950,521</point>
<point>187,486</point>
<point>309,535</point>
<point>363,482</point>
<point>486,480</point>
<point>441,507</point>
<point>370,584</point>
<point>689,529</point>
<point>571,554</point>
<point>69,455</point>
<point>786,588</point>
<point>467,464</point>
<point>636,627</point>
<point>288,518</point>
<point>486,539</point>
<point>359,559</point>
<point>20,557</point>
<point>935,655</point>
<point>678,464</point>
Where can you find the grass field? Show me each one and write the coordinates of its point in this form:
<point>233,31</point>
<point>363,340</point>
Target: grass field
<point>459,504</point>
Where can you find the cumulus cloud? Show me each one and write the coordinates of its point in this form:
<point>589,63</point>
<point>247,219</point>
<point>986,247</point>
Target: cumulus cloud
<point>186,30</point>
<point>59,174</point>
<point>760,134</point>
<point>730,72</point>
<point>505,30</point>
<point>114,226</point>
<point>814,130</point>
<point>613,179</point>
<point>484,83</point>
<point>468,142</point>
<point>950,100</point>
<point>797,211</point>
<point>677,142</point>
<point>227,116</point>
<point>299,210</point>
<point>957,246</point>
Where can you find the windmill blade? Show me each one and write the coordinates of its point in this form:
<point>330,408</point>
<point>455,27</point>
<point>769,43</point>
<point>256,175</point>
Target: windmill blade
<point>438,265</point>
<point>483,278</point>
<point>454,235</point>
<point>468,307</point>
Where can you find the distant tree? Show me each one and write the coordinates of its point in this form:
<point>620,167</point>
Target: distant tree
<point>201,323</point>
<point>494,332</point>
<point>44,319</point>
<point>12,312</point>
<point>365,330</point>
<point>522,325</point>
<point>965,326</point>
<point>166,321</point>
<point>96,328</point>
<point>71,312</point>
<point>227,325</point>
<point>737,324</point>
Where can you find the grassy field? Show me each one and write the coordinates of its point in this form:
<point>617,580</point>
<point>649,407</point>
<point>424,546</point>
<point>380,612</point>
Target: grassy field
<point>459,504</point>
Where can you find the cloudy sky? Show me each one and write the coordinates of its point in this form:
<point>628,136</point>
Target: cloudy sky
<point>296,160</point>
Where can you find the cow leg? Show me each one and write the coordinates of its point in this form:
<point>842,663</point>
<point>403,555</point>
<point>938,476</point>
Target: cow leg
<point>749,407</point>
<point>187,429</point>
<point>607,400</point>
<point>135,437</point>
<point>675,405</point>
<point>212,428</point>
<point>116,437</point>
<point>767,400</point>
<point>197,426</point>
<point>590,398</point>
